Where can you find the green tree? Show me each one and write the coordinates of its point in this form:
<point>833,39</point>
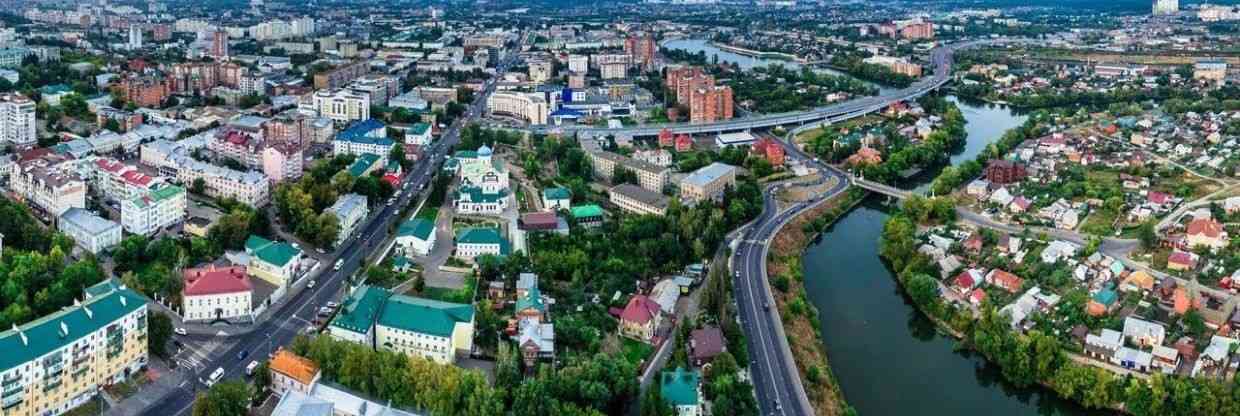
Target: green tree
<point>159,331</point>
<point>654,405</point>
<point>199,187</point>
<point>226,398</point>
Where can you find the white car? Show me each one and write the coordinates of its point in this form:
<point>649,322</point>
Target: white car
<point>310,285</point>
<point>180,331</point>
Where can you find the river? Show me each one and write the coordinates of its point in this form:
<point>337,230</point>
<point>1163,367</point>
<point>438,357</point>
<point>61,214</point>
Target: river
<point>748,62</point>
<point>888,358</point>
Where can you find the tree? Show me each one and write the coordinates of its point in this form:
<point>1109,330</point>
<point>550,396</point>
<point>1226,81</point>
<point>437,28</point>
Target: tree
<point>159,331</point>
<point>199,186</point>
<point>112,125</point>
<point>654,405</point>
<point>398,154</point>
<point>226,398</point>
<point>1149,237</point>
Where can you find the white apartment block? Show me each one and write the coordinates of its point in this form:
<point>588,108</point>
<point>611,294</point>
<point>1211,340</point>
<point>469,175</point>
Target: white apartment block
<point>17,124</point>
<point>146,214</point>
<point>51,188</point>
<point>350,210</point>
<point>650,176</point>
<point>251,188</point>
<point>530,107</point>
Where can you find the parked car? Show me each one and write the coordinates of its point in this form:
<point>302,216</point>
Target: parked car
<point>180,331</point>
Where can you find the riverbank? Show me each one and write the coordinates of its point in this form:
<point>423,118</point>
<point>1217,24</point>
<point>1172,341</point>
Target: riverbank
<point>758,54</point>
<point>800,318</point>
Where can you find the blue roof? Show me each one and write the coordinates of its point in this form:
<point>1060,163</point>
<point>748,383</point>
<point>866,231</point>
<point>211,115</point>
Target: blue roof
<point>357,132</point>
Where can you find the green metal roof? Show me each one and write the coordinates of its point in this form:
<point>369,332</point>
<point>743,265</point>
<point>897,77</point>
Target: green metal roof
<point>359,310</point>
<point>585,211</point>
<point>271,252</point>
<point>424,316</point>
<point>159,195</point>
<point>362,164</point>
<point>557,193</point>
<point>484,236</point>
<point>465,154</point>
<point>476,195</point>
<point>417,227</point>
<point>679,387</point>
<point>420,128</point>
<point>107,301</point>
<point>531,300</point>
<point>1106,297</point>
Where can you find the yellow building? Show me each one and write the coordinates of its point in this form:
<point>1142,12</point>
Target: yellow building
<point>60,361</point>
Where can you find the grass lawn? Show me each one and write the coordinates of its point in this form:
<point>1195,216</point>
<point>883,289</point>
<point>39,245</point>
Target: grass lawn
<point>428,213</point>
<point>1100,222</point>
<point>634,352</point>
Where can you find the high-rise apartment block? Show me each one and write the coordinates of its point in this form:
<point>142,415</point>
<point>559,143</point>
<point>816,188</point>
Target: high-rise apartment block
<point>17,124</point>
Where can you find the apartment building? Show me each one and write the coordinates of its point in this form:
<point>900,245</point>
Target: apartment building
<point>212,293</point>
<point>145,91</point>
<point>380,88</point>
<point>707,183</point>
<point>650,176</point>
<point>340,76</point>
<point>91,232</point>
<point>282,162</point>
<point>117,181</point>
<point>369,136</point>
<point>895,64</point>
<point>638,200</point>
<point>126,120</point>
<point>48,186</point>
<point>712,103</point>
<point>530,107</point>
<point>17,125</point>
<point>147,214</point>
<point>251,187</point>
<point>342,106</point>
<point>540,71</point>
<point>62,360</point>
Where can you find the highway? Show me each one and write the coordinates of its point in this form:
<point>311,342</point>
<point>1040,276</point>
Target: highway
<point>294,315</point>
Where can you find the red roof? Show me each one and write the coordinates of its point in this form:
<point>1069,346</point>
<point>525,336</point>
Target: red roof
<point>543,220</point>
<point>110,165</point>
<point>1182,257</point>
<point>640,310</point>
<point>964,280</point>
<point>1205,226</point>
<point>213,280</point>
<point>1158,197</point>
<point>236,137</point>
<point>136,178</point>
<point>977,296</point>
<point>1006,280</point>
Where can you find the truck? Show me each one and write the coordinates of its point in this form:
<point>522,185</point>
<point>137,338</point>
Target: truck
<point>249,368</point>
<point>214,377</point>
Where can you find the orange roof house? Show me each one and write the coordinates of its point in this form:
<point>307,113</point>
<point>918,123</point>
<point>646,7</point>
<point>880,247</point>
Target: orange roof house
<point>290,371</point>
<point>1139,280</point>
<point>865,156</point>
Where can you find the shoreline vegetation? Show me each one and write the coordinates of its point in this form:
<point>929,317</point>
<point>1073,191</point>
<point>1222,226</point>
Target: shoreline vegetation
<point>799,316</point>
<point>1031,358</point>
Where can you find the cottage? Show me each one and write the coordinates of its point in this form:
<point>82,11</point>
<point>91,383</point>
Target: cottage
<point>681,389</point>
<point>967,280</point>
<point>1206,232</point>
<point>1004,280</point>
<point>705,344</point>
<point>1181,260</point>
<point>1104,346</point>
<point>1143,333</point>
<point>1102,302</point>
<point>1166,358</point>
<point>640,319</point>
<point>1138,280</point>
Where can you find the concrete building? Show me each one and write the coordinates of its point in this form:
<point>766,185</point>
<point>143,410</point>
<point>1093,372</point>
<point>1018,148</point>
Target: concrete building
<point>469,199</point>
<point>650,176</point>
<point>216,293</point>
<point>1210,69</point>
<point>557,198</point>
<point>342,106</point>
<point>530,107</point>
<point>89,231</point>
<point>638,200</point>
<point>350,210</point>
<point>707,183</point>
<point>251,188</point>
<point>896,64</point>
<point>62,360</point>
<point>48,187</point>
<point>292,372</point>
<point>368,136</point>
<point>710,104</point>
<point>579,63</point>
<point>283,161</point>
<point>1166,7</point>
<point>373,316</point>
<point>419,134</point>
<point>340,76</point>
<point>540,71</point>
<point>613,71</point>
<point>17,120</point>
<point>147,214</point>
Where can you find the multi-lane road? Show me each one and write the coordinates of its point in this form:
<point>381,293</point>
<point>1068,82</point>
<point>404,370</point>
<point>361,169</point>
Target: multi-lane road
<point>295,314</point>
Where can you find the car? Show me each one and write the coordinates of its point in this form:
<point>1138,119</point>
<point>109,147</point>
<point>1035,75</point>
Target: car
<point>214,377</point>
<point>242,354</point>
<point>766,306</point>
<point>310,285</point>
<point>180,331</point>
<point>249,368</point>
<point>339,263</point>
<point>333,305</point>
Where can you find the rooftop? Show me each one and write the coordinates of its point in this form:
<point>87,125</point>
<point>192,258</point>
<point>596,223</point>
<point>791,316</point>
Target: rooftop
<point>424,316</point>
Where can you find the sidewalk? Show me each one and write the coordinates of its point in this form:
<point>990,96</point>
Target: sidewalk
<point>166,380</point>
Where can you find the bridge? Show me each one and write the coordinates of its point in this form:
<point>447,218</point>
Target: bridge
<point>880,188</point>
<point>941,61</point>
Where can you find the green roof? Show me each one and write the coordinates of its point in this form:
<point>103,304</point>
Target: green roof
<point>417,227</point>
<point>476,195</point>
<point>585,211</point>
<point>424,316</point>
<point>362,164</point>
<point>106,302</point>
<point>400,262</point>
<point>465,154</point>
<point>679,387</point>
<point>1106,297</point>
<point>159,195</point>
<point>557,193</point>
<point>420,128</point>
<point>269,251</point>
<point>55,89</point>
<point>484,236</point>
<point>531,300</point>
<point>359,310</point>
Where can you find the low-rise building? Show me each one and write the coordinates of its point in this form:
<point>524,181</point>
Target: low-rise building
<point>640,319</point>
<point>369,136</point>
<point>276,262</point>
<point>557,198</point>
<point>43,184</point>
<point>416,237</point>
<point>638,200</point>
<point>530,107</point>
<point>431,329</point>
<point>292,372</point>
<point>342,106</point>
<point>476,200</point>
<point>350,210</point>
<point>650,176</point>
<point>707,183</point>
<point>91,232</point>
<point>474,242</point>
<point>216,293</point>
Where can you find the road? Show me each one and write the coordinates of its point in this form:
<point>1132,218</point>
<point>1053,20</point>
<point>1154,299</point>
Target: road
<point>295,314</point>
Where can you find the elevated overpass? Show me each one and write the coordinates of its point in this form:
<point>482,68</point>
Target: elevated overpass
<point>941,61</point>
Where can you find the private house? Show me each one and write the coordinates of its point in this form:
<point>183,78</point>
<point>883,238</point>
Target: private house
<point>1206,232</point>
<point>536,341</point>
<point>292,372</point>
<point>1004,280</point>
<point>1104,346</point>
<point>640,319</point>
<point>1138,280</point>
<point>705,344</point>
<point>215,293</point>
<point>276,262</point>
<point>1143,333</point>
<point>1181,260</point>
<point>1166,359</point>
<point>1102,302</point>
<point>416,237</point>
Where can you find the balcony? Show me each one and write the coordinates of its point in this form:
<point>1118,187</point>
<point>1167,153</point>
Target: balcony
<point>53,384</point>
<point>11,389</point>
<point>10,401</point>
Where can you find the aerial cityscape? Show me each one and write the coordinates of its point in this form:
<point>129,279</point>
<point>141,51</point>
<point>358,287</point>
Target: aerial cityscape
<point>619,207</point>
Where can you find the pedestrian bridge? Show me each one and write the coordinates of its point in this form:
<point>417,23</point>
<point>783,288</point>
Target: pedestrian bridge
<point>888,190</point>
